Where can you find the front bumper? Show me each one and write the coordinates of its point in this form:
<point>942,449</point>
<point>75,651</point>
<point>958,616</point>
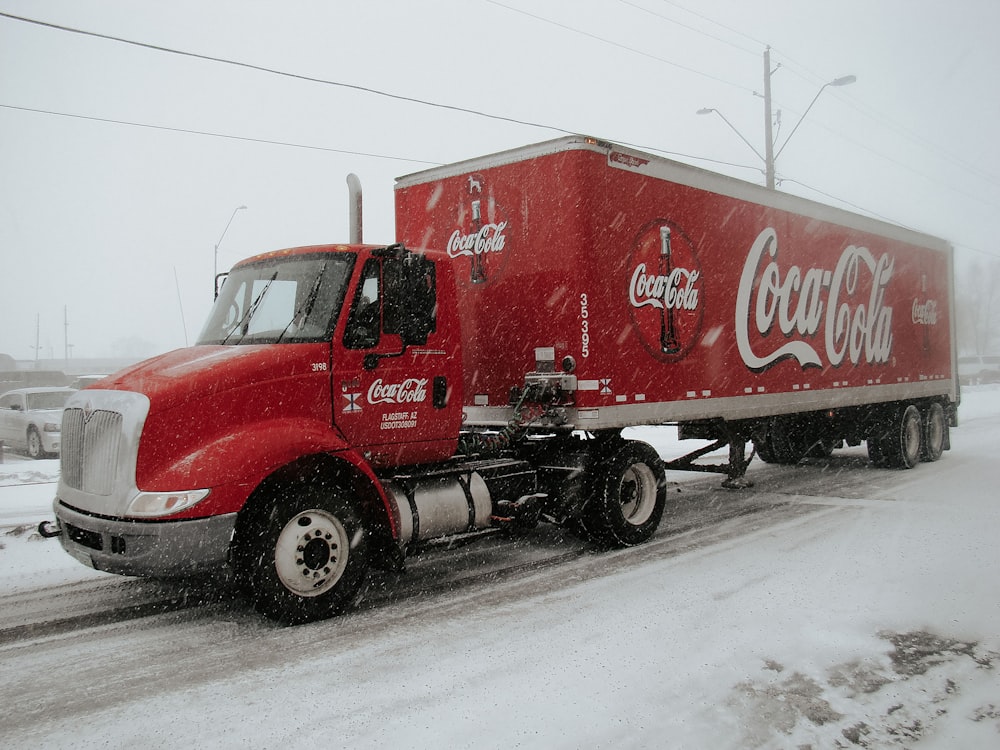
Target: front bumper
<point>50,441</point>
<point>152,549</point>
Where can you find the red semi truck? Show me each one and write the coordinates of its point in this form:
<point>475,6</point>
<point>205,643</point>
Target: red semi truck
<point>346,405</point>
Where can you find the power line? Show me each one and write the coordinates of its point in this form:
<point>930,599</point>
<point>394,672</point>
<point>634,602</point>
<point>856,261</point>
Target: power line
<point>349,152</point>
<point>695,29</point>
<point>855,206</point>
<point>377,92</point>
<point>313,79</point>
<point>625,47</point>
<point>282,73</point>
<point>210,134</point>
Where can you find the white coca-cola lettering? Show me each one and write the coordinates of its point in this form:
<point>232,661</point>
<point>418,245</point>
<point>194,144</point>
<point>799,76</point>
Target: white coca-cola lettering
<point>674,291</point>
<point>489,239</point>
<point>410,391</point>
<point>800,301</point>
<point>925,313</point>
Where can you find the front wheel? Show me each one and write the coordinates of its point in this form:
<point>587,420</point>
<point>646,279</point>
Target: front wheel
<point>310,557</point>
<point>627,497</point>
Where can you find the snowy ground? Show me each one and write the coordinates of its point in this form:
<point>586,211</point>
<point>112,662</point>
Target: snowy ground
<point>869,617</point>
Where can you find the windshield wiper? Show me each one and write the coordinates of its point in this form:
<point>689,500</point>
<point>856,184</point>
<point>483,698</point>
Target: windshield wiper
<point>307,305</point>
<point>244,322</point>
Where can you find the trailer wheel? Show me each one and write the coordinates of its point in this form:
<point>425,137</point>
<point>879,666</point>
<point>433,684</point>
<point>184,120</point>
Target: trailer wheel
<point>875,453</point>
<point>823,448</point>
<point>788,444</point>
<point>934,429</point>
<point>765,449</point>
<point>310,556</point>
<point>628,494</point>
<point>901,445</point>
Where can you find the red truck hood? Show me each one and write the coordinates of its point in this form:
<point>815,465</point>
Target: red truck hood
<point>199,371</point>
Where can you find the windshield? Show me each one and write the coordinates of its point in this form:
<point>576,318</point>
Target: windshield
<point>291,299</point>
<point>47,400</point>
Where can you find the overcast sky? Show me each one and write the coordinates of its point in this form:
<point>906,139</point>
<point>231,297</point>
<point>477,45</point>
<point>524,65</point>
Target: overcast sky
<point>121,165</point>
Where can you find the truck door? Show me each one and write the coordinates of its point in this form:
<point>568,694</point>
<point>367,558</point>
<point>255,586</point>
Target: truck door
<point>391,377</point>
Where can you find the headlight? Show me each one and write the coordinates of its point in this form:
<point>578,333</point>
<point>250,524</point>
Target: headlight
<point>51,426</point>
<point>164,503</point>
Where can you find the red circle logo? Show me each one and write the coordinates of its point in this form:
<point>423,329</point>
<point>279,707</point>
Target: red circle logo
<point>665,290</point>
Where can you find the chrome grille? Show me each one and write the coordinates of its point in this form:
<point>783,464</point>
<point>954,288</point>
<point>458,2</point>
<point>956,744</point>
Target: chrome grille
<point>89,452</point>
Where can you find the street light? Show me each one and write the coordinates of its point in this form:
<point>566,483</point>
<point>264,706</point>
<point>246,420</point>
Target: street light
<point>710,110</point>
<point>842,81</point>
<point>215,267</point>
<point>769,154</point>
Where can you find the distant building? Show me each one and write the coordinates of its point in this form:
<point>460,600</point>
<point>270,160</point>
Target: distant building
<point>53,372</point>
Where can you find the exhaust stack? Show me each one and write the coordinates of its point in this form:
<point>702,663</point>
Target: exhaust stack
<point>354,208</point>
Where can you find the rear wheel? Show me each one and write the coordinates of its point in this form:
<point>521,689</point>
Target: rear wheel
<point>934,430</point>
<point>762,444</point>
<point>901,444</point>
<point>627,497</point>
<point>309,559</point>
<point>875,454</point>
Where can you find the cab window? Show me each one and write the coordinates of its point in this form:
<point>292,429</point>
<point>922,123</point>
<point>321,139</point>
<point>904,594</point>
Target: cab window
<point>365,320</point>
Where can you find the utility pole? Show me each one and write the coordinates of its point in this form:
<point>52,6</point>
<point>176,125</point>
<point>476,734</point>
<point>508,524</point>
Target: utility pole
<point>769,156</point>
<point>66,336</point>
<point>768,138</point>
<point>38,328</point>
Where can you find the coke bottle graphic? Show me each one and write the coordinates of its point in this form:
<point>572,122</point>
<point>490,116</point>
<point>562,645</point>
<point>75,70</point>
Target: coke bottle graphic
<point>478,271</point>
<point>668,335</point>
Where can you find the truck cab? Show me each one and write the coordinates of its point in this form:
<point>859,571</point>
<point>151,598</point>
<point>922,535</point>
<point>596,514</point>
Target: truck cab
<point>321,363</point>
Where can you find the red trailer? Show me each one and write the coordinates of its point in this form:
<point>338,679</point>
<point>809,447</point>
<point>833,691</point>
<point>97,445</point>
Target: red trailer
<point>675,295</point>
<point>346,405</point>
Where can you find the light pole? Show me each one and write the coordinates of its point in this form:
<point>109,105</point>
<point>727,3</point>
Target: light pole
<point>215,267</point>
<point>770,155</point>
<point>710,110</point>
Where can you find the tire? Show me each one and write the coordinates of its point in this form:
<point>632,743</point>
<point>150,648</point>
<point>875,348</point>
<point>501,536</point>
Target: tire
<point>875,453</point>
<point>34,448</point>
<point>787,442</point>
<point>627,495</point>
<point>935,428</point>
<point>764,448</point>
<point>903,442</point>
<point>822,448</point>
<point>309,556</point>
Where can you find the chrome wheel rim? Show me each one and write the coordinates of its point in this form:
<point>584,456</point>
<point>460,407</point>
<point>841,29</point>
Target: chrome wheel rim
<point>311,553</point>
<point>638,494</point>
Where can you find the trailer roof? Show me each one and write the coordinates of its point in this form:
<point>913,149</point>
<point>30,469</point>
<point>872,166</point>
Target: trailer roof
<point>659,167</point>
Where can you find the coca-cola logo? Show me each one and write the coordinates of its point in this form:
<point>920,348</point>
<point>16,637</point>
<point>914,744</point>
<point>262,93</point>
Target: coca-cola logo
<point>925,313</point>
<point>480,237</point>
<point>665,290</point>
<point>627,159</point>
<point>489,239</point>
<point>410,391</point>
<point>782,311</point>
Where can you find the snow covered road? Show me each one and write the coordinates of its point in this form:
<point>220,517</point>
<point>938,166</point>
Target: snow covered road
<point>834,605</point>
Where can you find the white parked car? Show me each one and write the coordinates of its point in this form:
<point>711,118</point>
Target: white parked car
<point>979,369</point>
<point>31,419</point>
